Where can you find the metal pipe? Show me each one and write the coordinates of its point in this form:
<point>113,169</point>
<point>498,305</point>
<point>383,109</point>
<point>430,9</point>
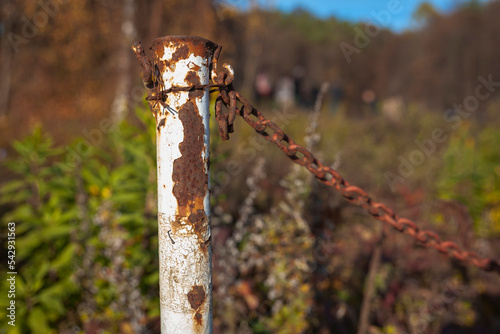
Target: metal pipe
<point>184,235</point>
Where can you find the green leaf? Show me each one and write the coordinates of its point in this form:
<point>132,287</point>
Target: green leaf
<point>21,213</point>
<point>52,297</point>
<point>126,198</point>
<point>91,178</point>
<point>26,244</point>
<point>69,215</point>
<point>51,302</point>
<point>20,196</point>
<point>20,286</point>
<point>65,257</point>
<point>12,186</point>
<point>56,232</point>
<point>37,321</point>
<point>39,277</point>
<point>130,218</point>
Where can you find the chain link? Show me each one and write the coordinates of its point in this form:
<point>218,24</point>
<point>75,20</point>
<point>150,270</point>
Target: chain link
<point>270,131</point>
<point>298,154</point>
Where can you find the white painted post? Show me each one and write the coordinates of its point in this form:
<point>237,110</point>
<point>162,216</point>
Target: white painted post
<point>183,185</point>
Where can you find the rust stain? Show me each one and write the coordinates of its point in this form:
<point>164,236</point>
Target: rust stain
<point>194,67</point>
<point>190,175</point>
<point>193,79</point>
<point>196,217</point>
<point>185,46</point>
<point>147,67</point>
<point>198,317</point>
<point>182,52</point>
<point>158,47</point>
<point>196,298</point>
<point>162,123</point>
<point>200,224</point>
<point>206,245</point>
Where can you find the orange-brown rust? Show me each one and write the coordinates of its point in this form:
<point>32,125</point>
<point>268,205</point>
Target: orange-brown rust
<point>200,222</point>
<point>147,67</point>
<point>193,79</point>
<point>162,124</point>
<point>185,46</point>
<point>199,318</point>
<point>195,67</point>
<point>204,246</point>
<point>196,297</point>
<point>190,175</point>
<point>181,53</point>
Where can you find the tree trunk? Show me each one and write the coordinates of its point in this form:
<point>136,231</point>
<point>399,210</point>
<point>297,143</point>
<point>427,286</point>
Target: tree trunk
<point>120,104</point>
<point>6,54</point>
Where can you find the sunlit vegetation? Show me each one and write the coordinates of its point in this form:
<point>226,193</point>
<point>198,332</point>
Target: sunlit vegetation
<point>289,254</point>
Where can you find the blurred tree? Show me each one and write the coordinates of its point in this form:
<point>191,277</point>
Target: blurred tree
<point>425,13</point>
<point>255,28</point>
<point>120,106</point>
<point>6,55</point>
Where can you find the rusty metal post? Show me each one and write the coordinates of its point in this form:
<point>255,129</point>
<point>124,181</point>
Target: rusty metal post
<point>182,120</point>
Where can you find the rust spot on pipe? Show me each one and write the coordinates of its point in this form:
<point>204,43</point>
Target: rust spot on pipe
<point>193,79</point>
<point>198,318</point>
<point>190,175</point>
<point>181,53</point>
<point>147,67</point>
<point>204,246</point>
<point>196,217</point>
<point>162,123</point>
<point>185,46</point>
<point>200,222</point>
<point>196,298</point>
<point>194,67</point>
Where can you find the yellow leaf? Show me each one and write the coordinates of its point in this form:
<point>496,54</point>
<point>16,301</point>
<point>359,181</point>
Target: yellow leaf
<point>94,190</point>
<point>106,192</point>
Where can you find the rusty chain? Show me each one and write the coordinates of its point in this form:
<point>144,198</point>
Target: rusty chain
<point>228,97</point>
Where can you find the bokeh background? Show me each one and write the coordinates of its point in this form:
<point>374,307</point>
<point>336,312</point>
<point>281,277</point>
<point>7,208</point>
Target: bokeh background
<point>400,97</point>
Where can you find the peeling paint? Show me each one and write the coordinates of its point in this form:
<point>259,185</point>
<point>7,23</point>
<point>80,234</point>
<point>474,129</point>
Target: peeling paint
<point>181,47</point>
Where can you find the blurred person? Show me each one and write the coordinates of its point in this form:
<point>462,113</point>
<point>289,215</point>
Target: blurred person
<point>392,108</point>
<point>298,79</point>
<point>336,94</point>
<point>284,96</point>
<point>369,98</point>
<point>263,88</point>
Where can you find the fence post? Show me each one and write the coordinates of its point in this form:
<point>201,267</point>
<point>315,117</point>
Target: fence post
<point>184,236</point>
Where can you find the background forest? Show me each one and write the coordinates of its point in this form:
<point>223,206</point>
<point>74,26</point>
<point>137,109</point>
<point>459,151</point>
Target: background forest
<point>410,117</point>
